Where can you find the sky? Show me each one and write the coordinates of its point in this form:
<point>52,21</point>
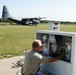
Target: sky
<point>58,10</point>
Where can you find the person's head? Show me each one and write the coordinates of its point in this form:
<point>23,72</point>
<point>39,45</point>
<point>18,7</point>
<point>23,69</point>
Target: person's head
<point>37,45</point>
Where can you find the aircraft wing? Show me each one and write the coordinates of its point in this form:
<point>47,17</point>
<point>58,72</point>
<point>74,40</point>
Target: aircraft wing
<point>31,19</point>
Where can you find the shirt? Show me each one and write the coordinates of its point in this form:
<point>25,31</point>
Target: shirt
<point>32,62</point>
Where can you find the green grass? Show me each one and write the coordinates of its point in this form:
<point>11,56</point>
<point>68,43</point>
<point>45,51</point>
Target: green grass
<point>68,28</point>
<point>14,39</point>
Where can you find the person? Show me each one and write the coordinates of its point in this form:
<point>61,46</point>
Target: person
<point>33,59</point>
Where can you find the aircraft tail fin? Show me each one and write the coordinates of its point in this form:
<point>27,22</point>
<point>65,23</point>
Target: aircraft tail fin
<point>5,13</point>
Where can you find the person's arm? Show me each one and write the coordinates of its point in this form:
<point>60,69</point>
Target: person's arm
<point>54,59</point>
<point>58,57</point>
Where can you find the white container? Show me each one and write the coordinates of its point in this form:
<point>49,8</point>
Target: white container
<point>64,66</point>
<point>55,26</point>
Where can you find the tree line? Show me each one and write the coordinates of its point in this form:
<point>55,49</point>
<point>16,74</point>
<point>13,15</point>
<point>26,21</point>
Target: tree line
<point>6,20</point>
<point>61,22</point>
<point>42,21</point>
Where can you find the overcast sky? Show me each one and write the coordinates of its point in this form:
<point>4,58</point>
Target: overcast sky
<point>60,10</point>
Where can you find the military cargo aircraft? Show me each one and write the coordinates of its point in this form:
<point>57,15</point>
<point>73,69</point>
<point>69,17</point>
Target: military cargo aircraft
<point>23,21</point>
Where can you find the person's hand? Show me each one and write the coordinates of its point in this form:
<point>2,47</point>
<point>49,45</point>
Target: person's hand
<point>62,53</point>
<point>26,51</point>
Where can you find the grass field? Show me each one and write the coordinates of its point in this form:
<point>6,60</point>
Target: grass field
<point>14,39</point>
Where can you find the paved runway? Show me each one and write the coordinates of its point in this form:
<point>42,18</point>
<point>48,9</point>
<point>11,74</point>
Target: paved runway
<point>6,66</point>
